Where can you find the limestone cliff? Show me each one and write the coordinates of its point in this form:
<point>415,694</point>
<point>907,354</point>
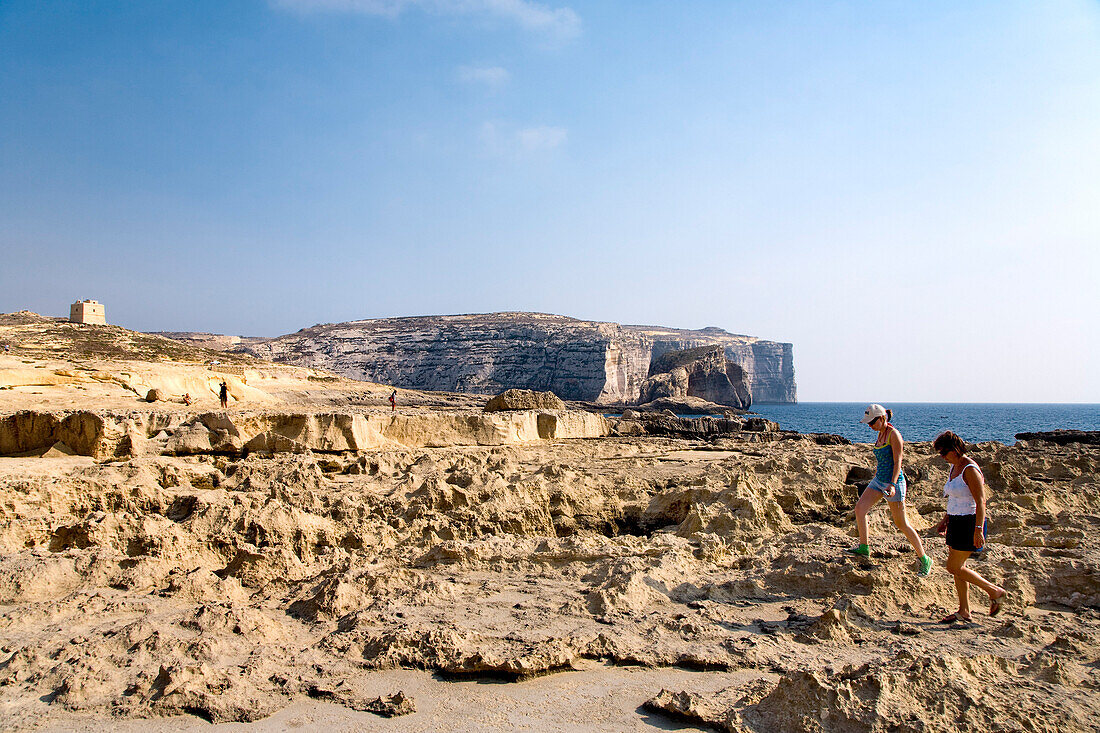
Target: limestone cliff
<point>488,353</point>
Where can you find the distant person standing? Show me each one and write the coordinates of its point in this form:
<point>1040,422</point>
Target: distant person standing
<point>889,482</point>
<point>393,401</point>
<point>223,394</point>
<point>964,524</point>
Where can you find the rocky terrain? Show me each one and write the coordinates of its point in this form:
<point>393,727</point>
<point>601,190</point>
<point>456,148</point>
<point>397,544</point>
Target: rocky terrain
<point>491,579</point>
<point>488,353</point>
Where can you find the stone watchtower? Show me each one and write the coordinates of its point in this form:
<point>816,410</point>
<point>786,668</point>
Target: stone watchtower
<point>88,311</point>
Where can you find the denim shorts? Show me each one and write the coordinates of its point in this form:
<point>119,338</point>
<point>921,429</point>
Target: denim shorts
<point>883,486</point>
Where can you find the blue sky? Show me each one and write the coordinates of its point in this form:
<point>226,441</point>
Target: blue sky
<point>908,192</point>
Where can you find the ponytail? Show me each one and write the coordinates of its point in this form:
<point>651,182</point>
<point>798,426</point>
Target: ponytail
<point>889,415</point>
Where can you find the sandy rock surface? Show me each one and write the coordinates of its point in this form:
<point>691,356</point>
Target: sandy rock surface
<point>231,588</point>
<point>616,583</point>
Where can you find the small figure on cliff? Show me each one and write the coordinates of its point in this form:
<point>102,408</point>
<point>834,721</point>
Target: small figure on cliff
<point>964,524</point>
<point>187,398</point>
<point>223,394</point>
<point>393,401</point>
<point>889,482</point>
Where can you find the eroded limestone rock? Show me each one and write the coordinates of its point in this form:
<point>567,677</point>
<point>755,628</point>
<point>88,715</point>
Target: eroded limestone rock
<point>524,399</point>
<point>229,587</point>
<point>702,372</point>
<point>113,435</point>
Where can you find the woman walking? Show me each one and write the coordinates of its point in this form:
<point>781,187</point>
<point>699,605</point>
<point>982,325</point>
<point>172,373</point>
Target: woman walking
<point>889,482</point>
<point>964,524</point>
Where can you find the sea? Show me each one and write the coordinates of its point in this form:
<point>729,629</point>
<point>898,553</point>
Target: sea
<point>919,421</point>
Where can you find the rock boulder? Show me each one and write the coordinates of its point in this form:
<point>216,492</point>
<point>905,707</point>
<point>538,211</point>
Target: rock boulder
<point>524,399</point>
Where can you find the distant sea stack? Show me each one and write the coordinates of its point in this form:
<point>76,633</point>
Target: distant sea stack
<point>488,353</point>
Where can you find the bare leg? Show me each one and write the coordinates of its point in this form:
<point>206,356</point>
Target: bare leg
<point>994,591</point>
<point>901,521</point>
<point>955,560</point>
<point>867,499</point>
<point>964,576</point>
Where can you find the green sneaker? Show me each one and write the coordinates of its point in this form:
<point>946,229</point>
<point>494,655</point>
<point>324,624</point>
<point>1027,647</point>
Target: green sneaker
<point>861,550</point>
<point>925,567</point>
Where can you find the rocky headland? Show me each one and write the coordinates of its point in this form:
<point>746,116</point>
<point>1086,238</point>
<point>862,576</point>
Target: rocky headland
<point>702,372</point>
<point>311,558</point>
<point>488,353</point>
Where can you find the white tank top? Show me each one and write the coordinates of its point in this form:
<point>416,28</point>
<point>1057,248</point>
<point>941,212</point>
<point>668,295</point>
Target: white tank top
<point>959,499</point>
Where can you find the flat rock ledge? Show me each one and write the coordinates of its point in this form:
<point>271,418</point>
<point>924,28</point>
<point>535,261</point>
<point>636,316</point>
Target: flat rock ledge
<point>1063,437</point>
<point>669,424</point>
<point>107,435</point>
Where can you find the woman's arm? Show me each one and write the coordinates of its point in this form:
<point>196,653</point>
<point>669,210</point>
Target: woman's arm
<point>973,478</point>
<point>896,445</point>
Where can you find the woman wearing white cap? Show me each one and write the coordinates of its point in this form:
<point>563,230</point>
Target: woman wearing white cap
<point>889,482</point>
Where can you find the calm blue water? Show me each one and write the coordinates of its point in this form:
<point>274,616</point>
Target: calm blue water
<point>926,420</point>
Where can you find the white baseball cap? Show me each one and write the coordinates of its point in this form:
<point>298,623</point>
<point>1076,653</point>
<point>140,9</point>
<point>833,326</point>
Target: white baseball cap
<point>872,412</point>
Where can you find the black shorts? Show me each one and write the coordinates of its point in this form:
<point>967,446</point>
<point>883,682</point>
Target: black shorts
<point>960,532</point>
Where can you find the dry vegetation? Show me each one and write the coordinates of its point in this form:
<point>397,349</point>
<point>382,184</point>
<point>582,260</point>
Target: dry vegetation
<point>36,337</point>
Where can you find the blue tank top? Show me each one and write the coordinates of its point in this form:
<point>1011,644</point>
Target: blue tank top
<point>884,455</point>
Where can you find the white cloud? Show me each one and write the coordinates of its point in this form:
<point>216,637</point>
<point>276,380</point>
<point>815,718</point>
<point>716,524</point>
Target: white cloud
<point>492,76</point>
<point>532,15</point>
<point>528,14</point>
<point>540,138</point>
<point>507,140</point>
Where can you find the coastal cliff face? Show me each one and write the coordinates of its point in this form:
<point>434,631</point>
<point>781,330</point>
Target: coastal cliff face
<point>487,353</point>
<point>703,372</point>
<point>768,365</point>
